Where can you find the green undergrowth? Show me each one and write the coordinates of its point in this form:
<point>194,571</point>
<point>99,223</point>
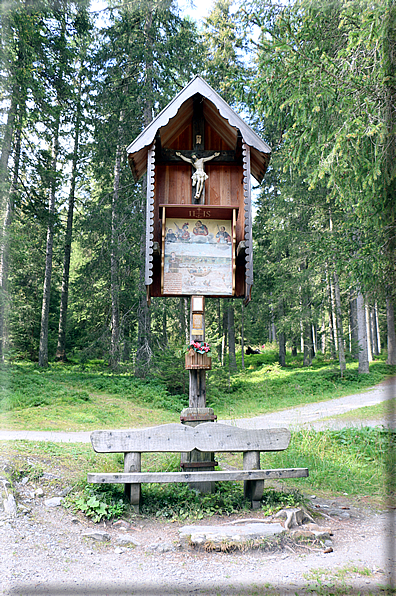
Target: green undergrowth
<point>88,396</point>
<point>173,502</point>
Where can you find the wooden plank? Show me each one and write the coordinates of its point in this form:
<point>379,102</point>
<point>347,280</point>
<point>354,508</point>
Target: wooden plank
<point>167,477</point>
<point>198,211</point>
<point>177,437</point>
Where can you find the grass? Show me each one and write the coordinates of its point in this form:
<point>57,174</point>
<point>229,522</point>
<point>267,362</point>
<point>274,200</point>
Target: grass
<point>378,412</point>
<point>353,461</point>
<point>90,396</point>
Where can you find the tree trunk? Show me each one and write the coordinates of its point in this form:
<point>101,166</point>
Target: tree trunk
<point>182,319</point>
<point>331,320</point>
<point>43,347</point>
<point>144,352</point>
<point>231,335</point>
<point>307,338</point>
<point>164,326</point>
<point>354,326</point>
<point>4,243</point>
<point>390,322</point>
<point>224,339</point>
<point>340,334</point>
<point>282,336</point>
<point>61,347</point>
<point>374,333</point>
<point>7,143</point>
<point>323,335</point>
<point>377,328</point>
<point>362,335</point>
<point>369,338</point>
<point>306,320</point>
<point>333,317</point>
<point>115,346</point>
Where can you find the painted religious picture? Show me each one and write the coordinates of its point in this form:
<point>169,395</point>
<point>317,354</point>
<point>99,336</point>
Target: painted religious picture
<point>198,257</point>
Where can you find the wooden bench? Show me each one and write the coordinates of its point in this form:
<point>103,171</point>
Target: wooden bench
<point>206,437</point>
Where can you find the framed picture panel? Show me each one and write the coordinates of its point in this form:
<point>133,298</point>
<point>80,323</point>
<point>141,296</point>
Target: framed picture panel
<point>198,256</point>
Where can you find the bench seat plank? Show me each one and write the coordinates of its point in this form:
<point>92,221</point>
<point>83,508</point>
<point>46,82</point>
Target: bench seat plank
<point>182,438</point>
<point>165,477</point>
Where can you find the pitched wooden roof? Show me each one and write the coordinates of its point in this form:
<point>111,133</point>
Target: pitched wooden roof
<point>218,114</point>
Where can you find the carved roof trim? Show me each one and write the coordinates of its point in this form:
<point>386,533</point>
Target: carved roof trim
<point>138,148</point>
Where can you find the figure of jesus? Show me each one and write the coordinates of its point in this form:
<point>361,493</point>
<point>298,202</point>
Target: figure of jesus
<point>199,176</point>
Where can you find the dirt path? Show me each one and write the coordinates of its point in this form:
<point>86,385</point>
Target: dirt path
<point>312,414</point>
<point>46,551</point>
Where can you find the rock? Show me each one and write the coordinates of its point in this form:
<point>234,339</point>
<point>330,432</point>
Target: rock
<point>53,502</point>
<point>65,492</point>
<point>127,540</point>
<point>198,539</point>
<point>6,483</point>
<point>198,535</point>
<point>295,516</point>
<point>98,536</point>
<point>161,547</point>
<point>301,533</point>
<point>317,528</point>
<point>48,476</point>
<point>10,506</point>
<point>121,524</point>
<point>39,492</point>
<point>23,509</point>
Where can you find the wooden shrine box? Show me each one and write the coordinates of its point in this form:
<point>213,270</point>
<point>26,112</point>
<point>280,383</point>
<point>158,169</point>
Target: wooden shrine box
<point>199,244</point>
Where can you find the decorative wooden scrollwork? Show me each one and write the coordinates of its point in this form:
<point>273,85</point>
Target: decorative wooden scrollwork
<point>150,215</point>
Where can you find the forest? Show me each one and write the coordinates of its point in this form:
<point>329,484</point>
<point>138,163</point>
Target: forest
<point>315,80</point>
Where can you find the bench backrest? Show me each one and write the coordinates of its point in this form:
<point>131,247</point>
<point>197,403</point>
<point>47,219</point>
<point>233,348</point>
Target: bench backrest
<point>208,436</point>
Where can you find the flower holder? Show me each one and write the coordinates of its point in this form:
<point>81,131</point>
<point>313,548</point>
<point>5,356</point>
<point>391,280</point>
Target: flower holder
<point>195,361</point>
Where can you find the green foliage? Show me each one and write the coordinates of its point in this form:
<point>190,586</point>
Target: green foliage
<point>168,365</point>
<point>97,502</point>
<point>274,500</point>
<point>180,502</point>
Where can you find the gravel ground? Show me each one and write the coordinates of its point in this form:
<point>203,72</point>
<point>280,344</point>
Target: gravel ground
<point>46,551</point>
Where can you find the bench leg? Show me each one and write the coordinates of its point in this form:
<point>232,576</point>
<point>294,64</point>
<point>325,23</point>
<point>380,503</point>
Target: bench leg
<point>132,463</point>
<point>253,489</point>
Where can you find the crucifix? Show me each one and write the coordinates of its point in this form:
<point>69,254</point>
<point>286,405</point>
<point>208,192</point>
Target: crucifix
<point>199,176</point>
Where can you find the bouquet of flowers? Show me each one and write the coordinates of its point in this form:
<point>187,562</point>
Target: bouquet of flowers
<point>199,347</point>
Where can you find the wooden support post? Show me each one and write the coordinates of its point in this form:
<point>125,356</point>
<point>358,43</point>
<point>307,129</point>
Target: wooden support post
<point>253,489</point>
<point>198,459</point>
<point>197,412</point>
<point>197,391</point>
<point>132,463</point>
